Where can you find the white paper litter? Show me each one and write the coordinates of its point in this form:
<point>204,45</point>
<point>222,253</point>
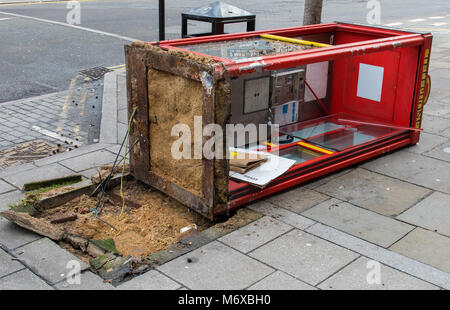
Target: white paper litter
<point>262,175</point>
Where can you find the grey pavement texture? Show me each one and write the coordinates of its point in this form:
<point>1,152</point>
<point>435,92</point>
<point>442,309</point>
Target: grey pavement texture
<point>23,280</point>
<point>393,210</point>
<point>48,260</point>
<point>68,118</point>
<point>88,281</point>
<point>8,265</point>
<point>5,187</point>
<point>280,281</point>
<point>13,236</point>
<point>9,198</point>
<point>432,213</point>
<point>255,234</point>
<point>216,266</point>
<point>427,247</point>
<point>367,225</point>
<point>375,192</point>
<point>304,256</point>
<point>355,275</point>
<point>152,280</point>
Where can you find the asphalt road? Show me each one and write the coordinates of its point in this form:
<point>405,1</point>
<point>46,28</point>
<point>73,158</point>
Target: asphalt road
<point>39,57</point>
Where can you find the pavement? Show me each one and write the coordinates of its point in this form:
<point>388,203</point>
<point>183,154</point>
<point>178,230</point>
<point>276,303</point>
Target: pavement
<point>388,216</point>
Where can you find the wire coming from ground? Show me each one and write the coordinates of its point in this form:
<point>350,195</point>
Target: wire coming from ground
<point>103,185</point>
<point>127,136</point>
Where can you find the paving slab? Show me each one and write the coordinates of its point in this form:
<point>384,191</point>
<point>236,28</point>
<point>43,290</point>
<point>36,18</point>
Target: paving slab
<point>115,149</point>
<point>427,247</point>
<point>374,191</point>
<point>327,178</point>
<point>9,198</point>
<point>13,236</point>
<point>435,124</point>
<point>414,168</point>
<point>23,280</point>
<point>364,224</point>
<point>382,255</point>
<point>441,152</point>
<point>436,65</point>
<point>426,143</point>
<point>121,132</point>
<point>355,277</point>
<point>5,187</point>
<point>89,172</point>
<point>16,169</point>
<point>123,116</point>
<point>280,281</point>
<point>48,259</point>
<point>281,214</point>
<point>255,234</point>
<point>215,266</point>
<point>108,128</point>
<point>446,133</point>
<point>304,256</point>
<point>439,89</point>
<point>88,281</point>
<point>437,108</point>
<point>432,213</point>
<point>298,199</point>
<point>151,280</point>
<point>90,160</point>
<point>74,153</point>
<point>42,173</point>
<point>121,91</point>
<point>8,265</point>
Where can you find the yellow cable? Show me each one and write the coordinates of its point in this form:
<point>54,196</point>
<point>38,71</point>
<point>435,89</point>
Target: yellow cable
<point>125,162</point>
<point>292,40</point>
<point>314,148</point>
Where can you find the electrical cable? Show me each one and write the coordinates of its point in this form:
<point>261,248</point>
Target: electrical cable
<point>103,185</point>
<point>125,160</point>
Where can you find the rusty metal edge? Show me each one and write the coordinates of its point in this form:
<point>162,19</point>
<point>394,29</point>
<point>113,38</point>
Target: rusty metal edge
<point>55,201</point>
<point>208,117</point>
<point>138,61</point>
<point>175,191</point>
<point>138,98</point>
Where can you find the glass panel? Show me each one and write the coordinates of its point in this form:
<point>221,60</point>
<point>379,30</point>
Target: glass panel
<point>241,49</point>
<point>339,132</point>
<point>299,154</point>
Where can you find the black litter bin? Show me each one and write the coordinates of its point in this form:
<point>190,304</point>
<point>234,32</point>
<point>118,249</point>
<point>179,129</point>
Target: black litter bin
<point>218,14</point>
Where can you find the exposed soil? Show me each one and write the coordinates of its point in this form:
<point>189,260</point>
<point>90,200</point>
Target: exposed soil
<point>140,231</point>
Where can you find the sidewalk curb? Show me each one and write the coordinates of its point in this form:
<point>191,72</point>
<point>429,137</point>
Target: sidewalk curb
<point>108,126</point>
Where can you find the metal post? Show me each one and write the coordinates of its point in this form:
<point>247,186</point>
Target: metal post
<point>313,12</point>
<point>162,25</point>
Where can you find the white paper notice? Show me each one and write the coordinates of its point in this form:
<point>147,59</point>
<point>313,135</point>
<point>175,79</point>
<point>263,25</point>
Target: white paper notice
<point>370,82</point>
<point>266,172</point>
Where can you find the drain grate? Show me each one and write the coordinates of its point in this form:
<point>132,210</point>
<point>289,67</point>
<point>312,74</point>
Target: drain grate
<point>95,73</point>
<point>27,152</point>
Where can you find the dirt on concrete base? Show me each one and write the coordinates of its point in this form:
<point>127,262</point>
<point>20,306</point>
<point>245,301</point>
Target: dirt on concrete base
<point>140,231</point>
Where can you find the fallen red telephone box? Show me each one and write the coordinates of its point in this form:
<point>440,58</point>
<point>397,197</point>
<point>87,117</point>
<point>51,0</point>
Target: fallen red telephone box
<point>340,94</point>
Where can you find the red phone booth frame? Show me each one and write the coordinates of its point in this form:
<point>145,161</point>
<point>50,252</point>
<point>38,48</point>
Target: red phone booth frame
<point>405,57</point>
